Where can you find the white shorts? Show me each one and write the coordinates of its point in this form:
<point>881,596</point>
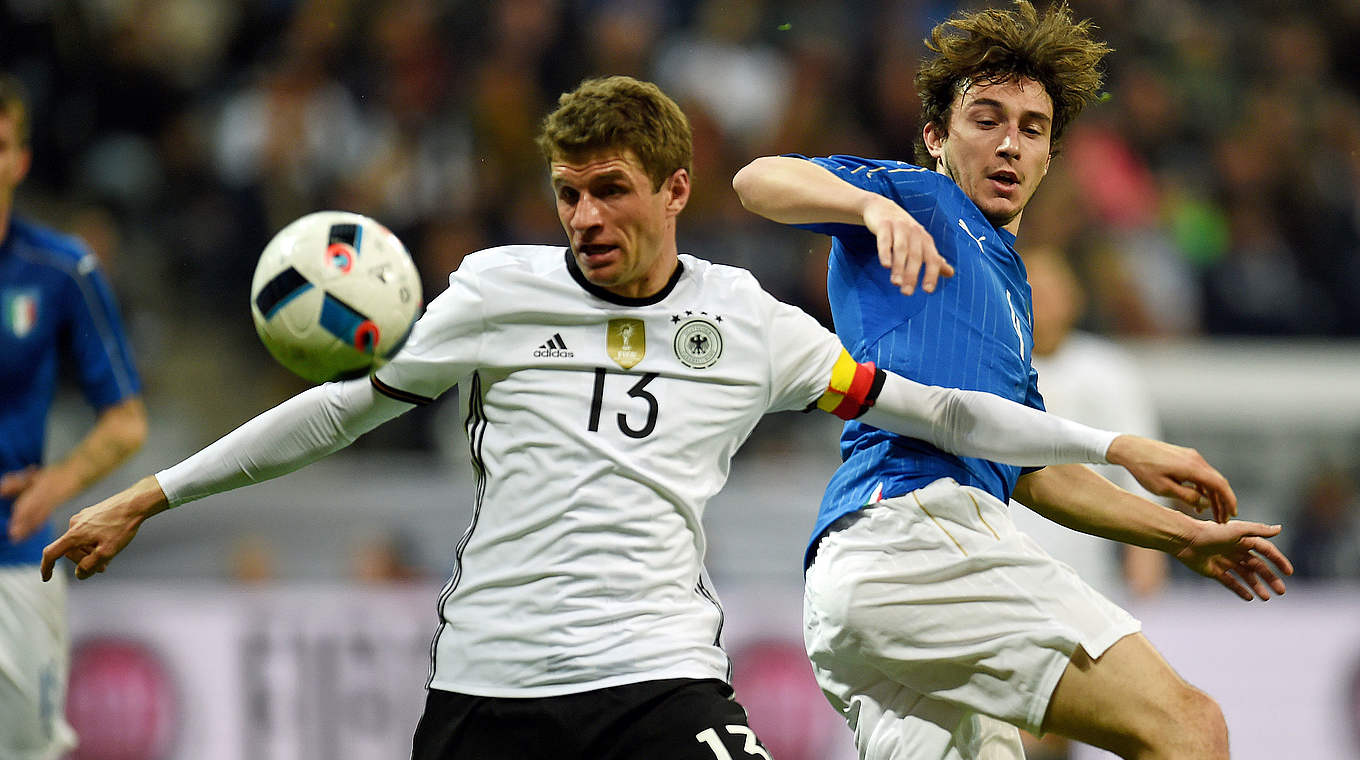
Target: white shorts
<point>936,627</point>
<point>34,662</point>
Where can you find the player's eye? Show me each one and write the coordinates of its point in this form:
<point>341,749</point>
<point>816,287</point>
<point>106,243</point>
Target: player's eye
<point>568,194</point>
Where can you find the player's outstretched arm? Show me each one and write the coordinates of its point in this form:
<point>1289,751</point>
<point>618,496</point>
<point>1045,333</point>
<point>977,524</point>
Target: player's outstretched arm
<point>977,424</point>
<point>307,427</point>
<point>796,191</point>
<point>984,425</point>
<point>1237,553</point>
<point>968,423</point>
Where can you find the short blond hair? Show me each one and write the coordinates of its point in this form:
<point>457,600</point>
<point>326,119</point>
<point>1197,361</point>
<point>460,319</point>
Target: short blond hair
<point>620,113</point>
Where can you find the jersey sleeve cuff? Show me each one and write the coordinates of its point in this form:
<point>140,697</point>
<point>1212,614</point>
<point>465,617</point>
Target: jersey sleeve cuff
<point>397,393</point>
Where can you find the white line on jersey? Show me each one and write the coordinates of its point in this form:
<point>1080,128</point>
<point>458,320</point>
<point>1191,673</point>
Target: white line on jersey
<point>1017,324</point>
<point>977,240</point>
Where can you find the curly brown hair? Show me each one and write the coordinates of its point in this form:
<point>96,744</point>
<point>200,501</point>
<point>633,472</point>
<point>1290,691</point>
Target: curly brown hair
<point>620,113</point>
<point>994,46</point>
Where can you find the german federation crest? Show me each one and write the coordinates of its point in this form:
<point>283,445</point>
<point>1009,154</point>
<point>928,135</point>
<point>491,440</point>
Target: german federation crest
<point>698,344</point>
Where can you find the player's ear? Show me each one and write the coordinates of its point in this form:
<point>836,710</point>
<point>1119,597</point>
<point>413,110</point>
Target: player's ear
<point>21,166</point>
<point>677,190</point>
<point>934,135</point>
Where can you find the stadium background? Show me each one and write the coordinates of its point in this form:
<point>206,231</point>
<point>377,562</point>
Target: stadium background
<point>1211,205</point>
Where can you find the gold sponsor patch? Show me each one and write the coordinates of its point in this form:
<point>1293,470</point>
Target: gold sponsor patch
<point>627,341</point>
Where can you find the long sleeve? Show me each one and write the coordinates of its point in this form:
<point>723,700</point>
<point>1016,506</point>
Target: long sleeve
<point>307,427</point>
<point>979,424</point>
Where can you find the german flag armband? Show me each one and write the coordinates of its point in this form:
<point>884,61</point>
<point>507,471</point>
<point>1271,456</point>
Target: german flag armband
<point>853,388</point>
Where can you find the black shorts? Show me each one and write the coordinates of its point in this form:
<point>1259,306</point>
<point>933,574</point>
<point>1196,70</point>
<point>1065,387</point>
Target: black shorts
<point>675,719</point>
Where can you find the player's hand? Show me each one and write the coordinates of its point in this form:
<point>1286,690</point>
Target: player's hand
<point>905,248</point>
<point>1239,555</point>
<point>98,533</point>
<point>1175,472</point>
<point>36,491</point>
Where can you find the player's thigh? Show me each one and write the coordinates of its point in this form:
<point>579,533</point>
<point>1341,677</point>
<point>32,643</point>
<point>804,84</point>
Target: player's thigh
<point>25,731</point>
<point>684,720</point>
<point>673,719</point>
<point>1130,691</point>
<point>463,725</point>
<point>940,594</point>
<point>456,726</point>
<point>34,660</point>
<point>898,724</point>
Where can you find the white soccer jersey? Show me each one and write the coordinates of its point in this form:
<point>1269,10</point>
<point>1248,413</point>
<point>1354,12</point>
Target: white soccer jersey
<point>600,427</point>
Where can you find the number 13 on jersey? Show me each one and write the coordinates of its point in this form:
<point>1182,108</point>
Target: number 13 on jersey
<point>638,390</point>
<point>709,736</point>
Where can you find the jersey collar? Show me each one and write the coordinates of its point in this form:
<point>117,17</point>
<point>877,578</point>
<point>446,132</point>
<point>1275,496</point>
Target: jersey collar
<point>614,298</point>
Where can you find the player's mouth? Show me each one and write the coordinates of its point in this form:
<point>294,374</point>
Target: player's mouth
<point>595,253</point>
<point>1004,181</point>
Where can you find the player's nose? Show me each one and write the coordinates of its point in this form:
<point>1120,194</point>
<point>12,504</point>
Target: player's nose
<point>586,214</point>
<point>1010,143</point>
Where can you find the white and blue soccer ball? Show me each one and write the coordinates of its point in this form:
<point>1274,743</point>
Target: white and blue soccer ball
<point>334,295</point>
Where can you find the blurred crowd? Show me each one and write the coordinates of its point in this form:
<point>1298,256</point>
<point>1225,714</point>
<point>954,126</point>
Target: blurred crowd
<point>1215,190</point>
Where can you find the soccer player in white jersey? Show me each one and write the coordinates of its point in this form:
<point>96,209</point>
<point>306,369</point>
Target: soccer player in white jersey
<point>933,624</point>
<point>606,385</point>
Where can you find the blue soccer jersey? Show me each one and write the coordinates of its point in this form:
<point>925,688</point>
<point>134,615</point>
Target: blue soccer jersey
<point>56,313</point>
<point>974,332</point>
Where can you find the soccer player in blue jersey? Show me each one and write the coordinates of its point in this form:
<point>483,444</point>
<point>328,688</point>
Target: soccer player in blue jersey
<point>932,624</point>
<point>56,313</point>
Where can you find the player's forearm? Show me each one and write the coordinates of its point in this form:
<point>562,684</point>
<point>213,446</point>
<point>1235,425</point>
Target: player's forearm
<point>984,425</point>
<point>1075,496</point>
<point>138,502</point>
<point>796,191</point>
<point>119,431</point>
<point>307,427</point>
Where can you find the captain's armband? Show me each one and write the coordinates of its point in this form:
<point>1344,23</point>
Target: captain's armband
<point>853,388</point>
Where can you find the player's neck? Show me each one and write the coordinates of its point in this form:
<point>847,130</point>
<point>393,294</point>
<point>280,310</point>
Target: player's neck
<point>655,281</point>
<point>1012,226</point>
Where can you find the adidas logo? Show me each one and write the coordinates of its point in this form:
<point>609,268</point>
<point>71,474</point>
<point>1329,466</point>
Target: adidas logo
<point>554,348</point>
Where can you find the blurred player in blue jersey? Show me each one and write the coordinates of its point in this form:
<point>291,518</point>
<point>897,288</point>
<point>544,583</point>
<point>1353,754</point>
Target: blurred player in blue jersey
<point>56,313</point>
<point>932,624</point>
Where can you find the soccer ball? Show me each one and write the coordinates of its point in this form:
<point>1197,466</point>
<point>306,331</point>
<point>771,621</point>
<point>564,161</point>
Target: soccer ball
<point>334,295</point>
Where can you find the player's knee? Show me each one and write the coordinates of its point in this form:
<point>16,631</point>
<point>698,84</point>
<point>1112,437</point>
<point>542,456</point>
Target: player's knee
<point>1199,730</point>
<point>1212,728</point>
